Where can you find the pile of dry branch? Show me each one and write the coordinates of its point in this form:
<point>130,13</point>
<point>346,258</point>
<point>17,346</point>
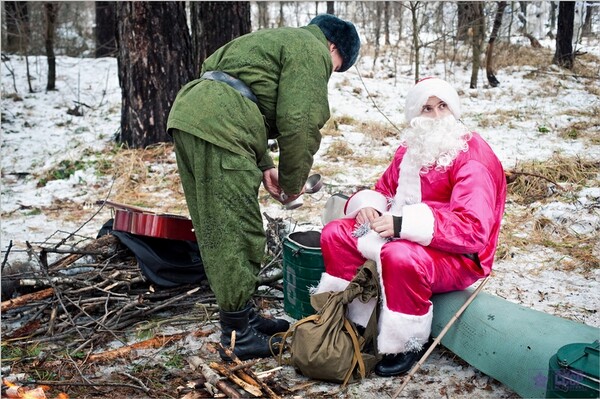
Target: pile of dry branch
<point>93,295</point>
<point>81,300</point>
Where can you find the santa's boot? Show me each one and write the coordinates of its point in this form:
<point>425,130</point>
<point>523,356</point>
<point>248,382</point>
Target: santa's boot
<point>249,342</point>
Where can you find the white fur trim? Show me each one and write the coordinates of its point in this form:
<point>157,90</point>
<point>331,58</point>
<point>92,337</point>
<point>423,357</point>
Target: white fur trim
<point>358,311</point>
<point>417,224</point>
<point>363,199</point>
<point>330,283</point>
<point>370,245</point>
<point>409,186</point>
<point>418,95</point>
<point>399,332</point>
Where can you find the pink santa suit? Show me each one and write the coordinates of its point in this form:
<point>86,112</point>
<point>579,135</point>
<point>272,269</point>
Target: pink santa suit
<point>450,225</point>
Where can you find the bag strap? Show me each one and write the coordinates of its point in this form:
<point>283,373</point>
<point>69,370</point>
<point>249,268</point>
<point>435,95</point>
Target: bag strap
<point>287,334</point>
<point>357,358</point>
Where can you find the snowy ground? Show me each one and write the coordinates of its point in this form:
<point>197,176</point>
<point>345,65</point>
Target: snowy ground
<point>39,132</point>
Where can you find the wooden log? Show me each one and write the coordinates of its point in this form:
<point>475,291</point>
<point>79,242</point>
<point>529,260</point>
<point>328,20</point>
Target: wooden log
<point>25,299</point>
<point>157,342</point>
<point>213,378</point>
<point>251,388</point>
<point>229,352</point>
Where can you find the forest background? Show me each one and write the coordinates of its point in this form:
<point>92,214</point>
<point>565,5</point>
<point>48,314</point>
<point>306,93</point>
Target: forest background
<point>74,132</point>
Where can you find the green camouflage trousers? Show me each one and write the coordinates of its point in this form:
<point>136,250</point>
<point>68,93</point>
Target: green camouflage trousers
<point>221,191</point>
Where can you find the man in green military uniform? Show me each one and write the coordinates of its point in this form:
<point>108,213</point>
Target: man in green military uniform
<point>269,84</point>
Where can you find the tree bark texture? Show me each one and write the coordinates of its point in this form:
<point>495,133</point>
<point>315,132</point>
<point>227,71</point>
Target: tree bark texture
<point>331,7</point>
<point>478,29</point>
<point>17,26</point>
<point>106,29</point>
<point>215,23</point>
<point>489,56</point>
<point>51,11</point>
<point>462,27</point>
<point>263,14</point>
<point>154,62</point>
<point>586,29</point>
<point>415,36</point>
<point>563,56</point>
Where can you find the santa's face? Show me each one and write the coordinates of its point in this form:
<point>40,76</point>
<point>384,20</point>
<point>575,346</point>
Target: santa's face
<point>435,141</point>
<point>435,108</point>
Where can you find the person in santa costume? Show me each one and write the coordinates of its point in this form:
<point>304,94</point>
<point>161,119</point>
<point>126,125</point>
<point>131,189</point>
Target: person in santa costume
<point>431,224</point>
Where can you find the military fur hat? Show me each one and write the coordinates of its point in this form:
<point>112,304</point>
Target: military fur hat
<point>341,33</point>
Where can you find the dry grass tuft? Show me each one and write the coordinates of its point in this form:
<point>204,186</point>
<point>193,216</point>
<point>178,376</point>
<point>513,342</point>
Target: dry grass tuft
<point>148,178</point>
<point>378,132</point>
<point>338,150</point>
<point>331,128</point>
<point>587,128</point>
<point>577,250</point>
<point>534,180</point>
<point>511,55</point>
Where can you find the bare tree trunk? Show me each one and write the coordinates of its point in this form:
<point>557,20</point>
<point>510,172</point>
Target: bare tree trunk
<point>281,21</point>
<point>51,11</point>
<point>263,14</point>
<point>523,15</point>
<point>553,7</point>
<point>330,7</point>
<point>154,61</point>
<point>462,28</point>
<point>216,23</point>
<point>400,13</point>
<point>563,55</point>
<point>106,29</point>
<point>586,29</point>
<point>386,21</point>
<point>17,26</point>
<point>377,31</point>
<point>489,57</point>
<point>414,5</point>
<point>478,27</point>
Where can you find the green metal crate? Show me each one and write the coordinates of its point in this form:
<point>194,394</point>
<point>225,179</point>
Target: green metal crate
<point>573,372</point>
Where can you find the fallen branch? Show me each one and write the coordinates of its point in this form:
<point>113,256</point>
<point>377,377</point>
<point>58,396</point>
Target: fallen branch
<point>251,388</point>
<point>511,176</point>
<point>229,352</point>
<point>25,299</point>
<point>213,378</point>
<point>157,342</point>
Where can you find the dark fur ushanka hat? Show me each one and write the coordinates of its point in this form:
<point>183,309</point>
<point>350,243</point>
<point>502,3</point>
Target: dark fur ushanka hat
<point>341,33</point>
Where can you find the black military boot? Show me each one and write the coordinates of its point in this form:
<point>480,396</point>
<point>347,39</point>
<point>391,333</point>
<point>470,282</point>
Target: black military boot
<point>249,342</point>
<point>267,326</point>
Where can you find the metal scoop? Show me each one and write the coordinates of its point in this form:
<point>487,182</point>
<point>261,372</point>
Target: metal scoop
<point>313,184</point>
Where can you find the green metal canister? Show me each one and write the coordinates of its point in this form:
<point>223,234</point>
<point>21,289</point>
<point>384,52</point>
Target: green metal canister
<point>302,269</point>
<point>574,371</point>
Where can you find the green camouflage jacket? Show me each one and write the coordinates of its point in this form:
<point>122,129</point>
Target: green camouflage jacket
<point>287,69</point>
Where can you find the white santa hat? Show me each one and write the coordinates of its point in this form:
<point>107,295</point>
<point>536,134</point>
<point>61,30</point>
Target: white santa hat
<point>427,87</point>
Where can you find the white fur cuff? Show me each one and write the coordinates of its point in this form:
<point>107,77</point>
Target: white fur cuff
<point>400,332</point>
<point>417,223</point>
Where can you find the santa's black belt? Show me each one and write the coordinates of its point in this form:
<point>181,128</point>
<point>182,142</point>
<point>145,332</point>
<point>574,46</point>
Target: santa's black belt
<point>231,81</point>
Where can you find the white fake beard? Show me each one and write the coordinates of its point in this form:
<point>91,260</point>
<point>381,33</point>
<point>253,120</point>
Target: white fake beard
<point>435,143</point>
